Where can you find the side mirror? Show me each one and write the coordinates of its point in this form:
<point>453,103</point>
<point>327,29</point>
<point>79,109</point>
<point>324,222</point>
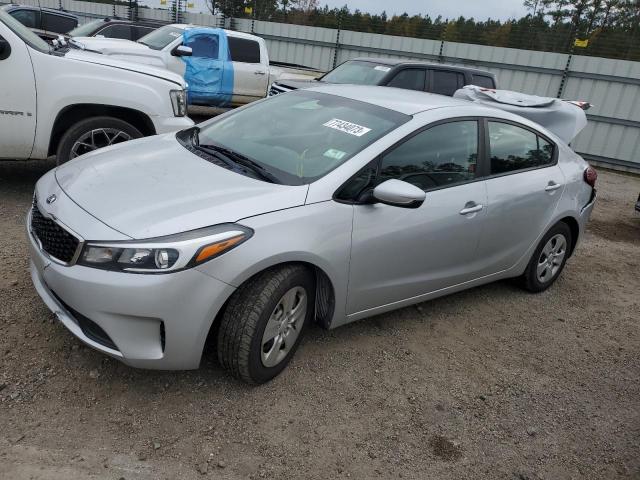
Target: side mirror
<point>399,194</point>
<point>5,49</point>
<point>182,51</point>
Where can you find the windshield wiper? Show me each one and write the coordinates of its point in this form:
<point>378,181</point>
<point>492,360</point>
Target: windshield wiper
<point>239,159</point>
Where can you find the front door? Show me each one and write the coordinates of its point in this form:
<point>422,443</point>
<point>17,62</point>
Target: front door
<point>399,253</point>
<point>17,97</point>
<point>524,187</point>
<point>208,70</point>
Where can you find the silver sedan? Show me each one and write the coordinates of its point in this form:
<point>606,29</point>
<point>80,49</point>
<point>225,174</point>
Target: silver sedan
<point>325,205</point>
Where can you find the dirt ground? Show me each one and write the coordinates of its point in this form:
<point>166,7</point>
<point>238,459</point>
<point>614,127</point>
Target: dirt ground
<point>490,383</point>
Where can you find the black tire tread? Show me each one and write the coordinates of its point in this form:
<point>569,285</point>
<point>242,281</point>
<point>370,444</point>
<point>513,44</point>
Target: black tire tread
<point>240,319</point>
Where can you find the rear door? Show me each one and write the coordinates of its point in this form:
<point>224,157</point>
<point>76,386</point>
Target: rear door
<point>250,75</point>
<point>524,186</point>
<point>445,82</point>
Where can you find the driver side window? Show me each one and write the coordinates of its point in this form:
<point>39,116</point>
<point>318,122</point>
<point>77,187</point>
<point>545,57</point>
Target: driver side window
<point>445,154</point>
<point>204,46</point>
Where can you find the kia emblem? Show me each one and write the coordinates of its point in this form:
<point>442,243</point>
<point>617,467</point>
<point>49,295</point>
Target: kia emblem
<point>51,198</point>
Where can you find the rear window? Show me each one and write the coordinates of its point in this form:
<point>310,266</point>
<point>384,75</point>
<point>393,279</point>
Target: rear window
<point>483,81</point>
<point>357,72</point>
<point>58,23</point>
<point>29,18</point>
<point>244,50</point>
<point>160,38</point>
<point>116,31</point>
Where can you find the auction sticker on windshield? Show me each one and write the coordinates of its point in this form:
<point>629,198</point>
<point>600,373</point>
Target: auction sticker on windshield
<point>347,127</point>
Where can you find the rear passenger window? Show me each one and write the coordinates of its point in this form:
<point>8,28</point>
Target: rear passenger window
<point>446,82</point>
<point>442,155</point>
<point>513,148</point>
<point>58,23</point>
<point>410,78</point>
<point>482,81</point>
<point>116,31</point>
<point>29,18</point>
<point>244,50</point>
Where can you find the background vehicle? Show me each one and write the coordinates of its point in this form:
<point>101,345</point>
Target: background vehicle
<point>412,75</point>
<point>114,27</point>
<point>66,102</point>
<point>240,79</point>
<point>47,23</point>
<point>297,209</point>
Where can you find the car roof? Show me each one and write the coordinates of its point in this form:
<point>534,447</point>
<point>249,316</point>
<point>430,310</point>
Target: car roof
<point>144,22</point>
<point>14,6</point>
<point>403,61</point>
<point>401,100</point>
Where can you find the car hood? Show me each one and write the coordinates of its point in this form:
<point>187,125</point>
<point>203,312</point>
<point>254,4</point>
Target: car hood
<point>110,44</point>
<point>153,187</point>
<point>92,57</point>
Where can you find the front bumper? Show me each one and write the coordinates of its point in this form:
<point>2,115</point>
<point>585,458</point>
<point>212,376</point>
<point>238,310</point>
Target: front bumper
<point>171,124</point>
<point>153,321</point>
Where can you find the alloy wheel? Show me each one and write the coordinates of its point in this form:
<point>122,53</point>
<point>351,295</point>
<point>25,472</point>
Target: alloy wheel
<point>551,258</point>
<point>284,326</point>
<point>98,138</point>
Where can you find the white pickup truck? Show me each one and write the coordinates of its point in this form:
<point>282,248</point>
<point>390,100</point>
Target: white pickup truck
<point>222,67</point>
<point>66,102</point>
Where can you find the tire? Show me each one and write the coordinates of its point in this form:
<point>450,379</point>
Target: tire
<point>556,241</point>
<point>241,343</point>
<point>110,127</point>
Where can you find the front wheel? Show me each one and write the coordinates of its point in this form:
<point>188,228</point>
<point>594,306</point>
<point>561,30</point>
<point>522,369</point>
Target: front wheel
<point>92,133</point>
<point>549,259</point>
<point>264,321</point>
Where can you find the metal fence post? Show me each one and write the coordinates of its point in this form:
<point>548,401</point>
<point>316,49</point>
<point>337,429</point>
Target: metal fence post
<point>565,73</point>
<point>337,47</point>
<point>441,52</point>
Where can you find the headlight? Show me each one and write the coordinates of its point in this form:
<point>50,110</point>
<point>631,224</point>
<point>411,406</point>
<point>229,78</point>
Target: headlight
<point>164,254</point>
<point>179,102</point>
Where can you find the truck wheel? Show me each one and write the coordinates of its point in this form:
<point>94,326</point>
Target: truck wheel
<point>92,133</point>
<point>264,321</point>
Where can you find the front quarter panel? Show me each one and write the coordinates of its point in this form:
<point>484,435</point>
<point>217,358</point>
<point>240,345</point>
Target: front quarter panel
<point>318,234</point>
<point>62,82</point>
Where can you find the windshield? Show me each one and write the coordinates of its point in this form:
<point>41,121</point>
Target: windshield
<point>30,38</point>
<point>86,29</point>
<point>356,72</point>
<point>160,38</point>
<point>301,136</point>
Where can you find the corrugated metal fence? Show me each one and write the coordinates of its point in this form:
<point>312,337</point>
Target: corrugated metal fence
<point>612,137</point>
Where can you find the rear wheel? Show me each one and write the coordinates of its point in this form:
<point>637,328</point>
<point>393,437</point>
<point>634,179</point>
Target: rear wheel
<point>264,321</point>
<point>92,133</point>
<point>549,259</point>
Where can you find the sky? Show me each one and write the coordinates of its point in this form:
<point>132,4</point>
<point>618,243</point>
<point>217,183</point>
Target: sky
<point>478,9</point>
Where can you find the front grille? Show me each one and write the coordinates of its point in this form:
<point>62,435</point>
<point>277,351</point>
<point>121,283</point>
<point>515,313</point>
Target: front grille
<point>90,328</point>
<point>54,239</point>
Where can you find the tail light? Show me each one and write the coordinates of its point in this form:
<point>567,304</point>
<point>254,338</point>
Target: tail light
<point>590,176</point>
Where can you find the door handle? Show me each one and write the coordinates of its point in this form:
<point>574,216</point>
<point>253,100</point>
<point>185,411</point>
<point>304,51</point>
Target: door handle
<point>552,186</point>
<point>259,72</point>
<point>471,207</point>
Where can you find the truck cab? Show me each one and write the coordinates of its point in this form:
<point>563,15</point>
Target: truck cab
<point>66,102</point>
<point>231,68</point>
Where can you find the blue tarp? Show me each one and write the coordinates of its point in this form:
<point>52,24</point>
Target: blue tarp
<point>209,70</point>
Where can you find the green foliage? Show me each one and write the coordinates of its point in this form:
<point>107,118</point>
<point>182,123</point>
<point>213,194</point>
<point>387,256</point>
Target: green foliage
<point>611,26</point>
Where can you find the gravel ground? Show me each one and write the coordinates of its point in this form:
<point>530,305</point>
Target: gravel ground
<point>488,383</point>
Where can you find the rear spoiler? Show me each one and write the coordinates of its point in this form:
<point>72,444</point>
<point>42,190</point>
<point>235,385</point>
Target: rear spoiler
<point>560,117</point>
